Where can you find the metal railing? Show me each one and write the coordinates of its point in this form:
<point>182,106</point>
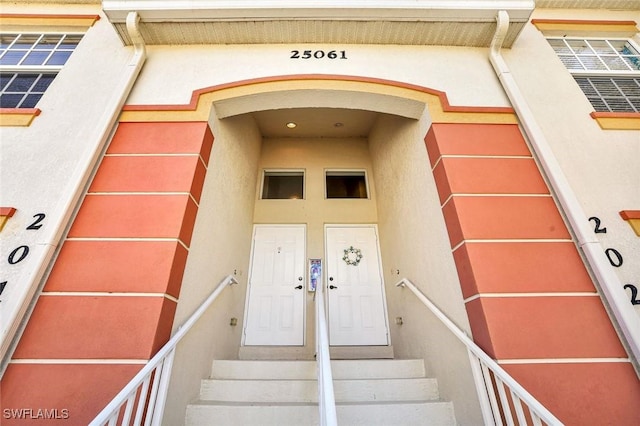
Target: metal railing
<point>146,393</point>
<point>502,399</point>
<point>326,398</point>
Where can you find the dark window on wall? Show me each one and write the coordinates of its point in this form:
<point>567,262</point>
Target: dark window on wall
<point>607,70</point>
<point>283,185</point>
<point>346,184</point>
<point>29,63</point>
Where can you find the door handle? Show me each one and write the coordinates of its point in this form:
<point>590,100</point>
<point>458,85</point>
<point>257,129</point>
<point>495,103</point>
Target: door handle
<point>333,286</point>
<point>298,287</point>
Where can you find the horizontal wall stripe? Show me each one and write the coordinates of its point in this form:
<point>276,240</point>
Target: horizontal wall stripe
<point>561,361</point>
<point>81,361</point>
<point>105,294</point>
<point>495,194</point>
<point>547,294</point>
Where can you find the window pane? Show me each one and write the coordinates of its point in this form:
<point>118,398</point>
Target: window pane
<point>26,41</point>
<point>580,47</point>
<point>10,100</point>
<point>571,62</point>
<point>601,47</point>
<point>560,46</point>
<point>592,63</point>
<point>70,42</point>
<point>5,79</point>
<point>22,82</point>
<point>6,40</point>
<point>30,101</point>
<point>43,83</point>
<point>48,42</point>
<point>36,57</point>
<point>59,58</point>
<point>346,185</point>
<point>12,57</point>
<point>283,185</point>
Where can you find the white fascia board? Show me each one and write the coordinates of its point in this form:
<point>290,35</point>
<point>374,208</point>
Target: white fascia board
<point>360,10</point>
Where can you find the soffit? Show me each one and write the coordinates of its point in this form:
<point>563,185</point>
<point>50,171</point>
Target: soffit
<point>589,4</point>
<point>417,22</point>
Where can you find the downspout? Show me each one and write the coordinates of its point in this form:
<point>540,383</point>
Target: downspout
<point>628,322</point>
<point>80,181</point>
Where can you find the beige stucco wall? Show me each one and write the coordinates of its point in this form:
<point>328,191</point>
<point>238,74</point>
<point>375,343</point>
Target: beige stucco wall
<point>220,245</point>
<point>415,245</point>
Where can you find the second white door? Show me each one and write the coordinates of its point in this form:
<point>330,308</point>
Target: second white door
<point>356,308</point>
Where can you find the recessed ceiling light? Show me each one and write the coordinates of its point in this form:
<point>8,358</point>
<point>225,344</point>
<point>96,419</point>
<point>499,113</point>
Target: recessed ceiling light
<point>291,125</point>
<point>338,125</point>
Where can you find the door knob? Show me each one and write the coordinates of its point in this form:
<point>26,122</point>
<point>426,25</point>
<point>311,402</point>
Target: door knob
<point>298,287</point>
<point>333,286</point>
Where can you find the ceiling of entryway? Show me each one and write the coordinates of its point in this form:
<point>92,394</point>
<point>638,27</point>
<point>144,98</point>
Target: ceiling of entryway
<point>315,122</point>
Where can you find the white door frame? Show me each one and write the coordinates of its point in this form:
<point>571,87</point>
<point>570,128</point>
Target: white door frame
<point>326,268</point>
<point>304,257</point>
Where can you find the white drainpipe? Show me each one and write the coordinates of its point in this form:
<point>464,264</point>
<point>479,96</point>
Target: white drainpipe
<point>628,321</point>
<point>82,176</point>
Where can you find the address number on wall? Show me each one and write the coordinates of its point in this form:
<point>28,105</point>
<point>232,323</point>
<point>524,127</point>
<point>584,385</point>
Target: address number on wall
<point>318,54</point>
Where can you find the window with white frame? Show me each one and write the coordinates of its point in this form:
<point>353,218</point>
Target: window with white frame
<point>29,63</point>
<point>607,70</point>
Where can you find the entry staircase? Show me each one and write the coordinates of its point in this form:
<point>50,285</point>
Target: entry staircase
<point>367,392</point>
<point>351,392</point>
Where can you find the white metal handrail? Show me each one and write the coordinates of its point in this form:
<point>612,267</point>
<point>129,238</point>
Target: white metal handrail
<point>326,398</point>
<point>489,377</point>
<point>149,407</point>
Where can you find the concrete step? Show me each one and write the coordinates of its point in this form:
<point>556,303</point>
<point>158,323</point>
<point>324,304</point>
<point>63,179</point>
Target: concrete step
<point>306,370</point>
<point>306,391</point>
<point>206,413</point>
<point>368,392</point>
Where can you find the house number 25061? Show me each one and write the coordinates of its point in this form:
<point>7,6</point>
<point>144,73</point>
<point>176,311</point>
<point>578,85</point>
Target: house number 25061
<point>318,54</point>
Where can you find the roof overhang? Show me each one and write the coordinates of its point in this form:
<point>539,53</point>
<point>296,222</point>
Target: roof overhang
<point>417,22</point>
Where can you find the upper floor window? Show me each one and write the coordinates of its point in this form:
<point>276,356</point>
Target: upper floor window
<point>29,63</point>
<point>607,71</point>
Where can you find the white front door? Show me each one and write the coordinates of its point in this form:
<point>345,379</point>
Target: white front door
<point>276,293</point>
<point>355,293</point>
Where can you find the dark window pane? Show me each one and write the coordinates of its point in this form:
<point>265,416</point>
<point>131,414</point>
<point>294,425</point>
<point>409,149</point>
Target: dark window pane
<point>43,82</point>
<point>22,82</point>
<point>10,100</point>
<point>59,58</point>
<point>346,185</point>
<point>5,79</point>
<point>283,185</point>
<point>30,101</point>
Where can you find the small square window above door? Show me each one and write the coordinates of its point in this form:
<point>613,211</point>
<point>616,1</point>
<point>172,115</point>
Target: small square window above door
<point>346,184</point>
<point>283,185</point>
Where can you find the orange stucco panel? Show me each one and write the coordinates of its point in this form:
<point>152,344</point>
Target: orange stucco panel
<point>80,389</point>
<point>131,216</point>
<point>125,266</point>
<point>503,217</point>
<point>95,327</point>
<point>589,393</point>
<point>544,327</point>
<point>521,267</point>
